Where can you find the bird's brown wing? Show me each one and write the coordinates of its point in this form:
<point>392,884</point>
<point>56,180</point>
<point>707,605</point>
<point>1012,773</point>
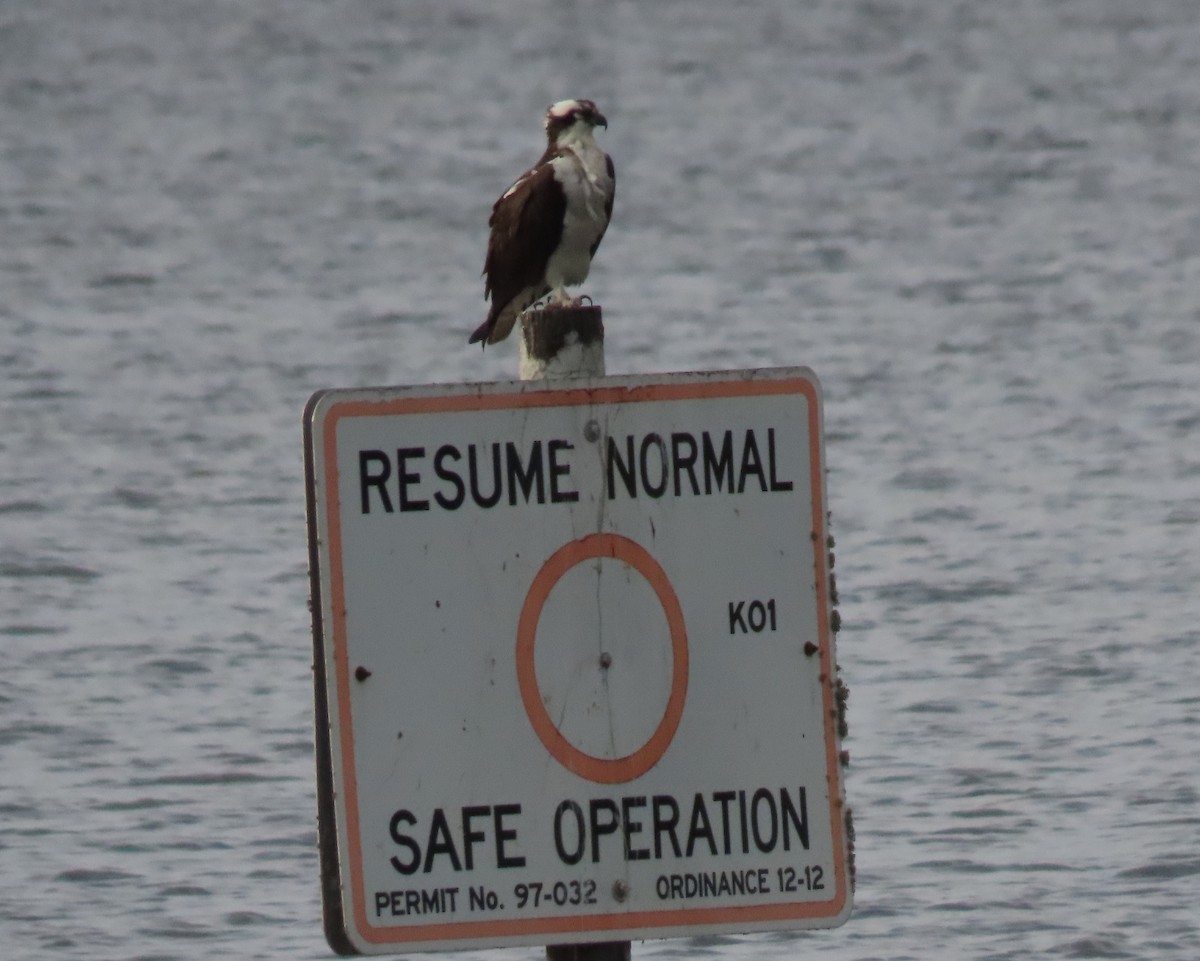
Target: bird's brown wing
<point>608,202</point>
<point>527,224</point>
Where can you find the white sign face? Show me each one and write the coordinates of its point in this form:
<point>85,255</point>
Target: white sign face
<point>575,660</point>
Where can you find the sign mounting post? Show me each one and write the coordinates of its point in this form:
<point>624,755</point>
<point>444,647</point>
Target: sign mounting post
<point>575,671</point>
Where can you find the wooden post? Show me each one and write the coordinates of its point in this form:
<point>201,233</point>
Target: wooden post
<point>560,343</point>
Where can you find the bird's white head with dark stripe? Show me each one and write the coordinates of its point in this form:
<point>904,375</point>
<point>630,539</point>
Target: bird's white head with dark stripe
<point>570,121</point>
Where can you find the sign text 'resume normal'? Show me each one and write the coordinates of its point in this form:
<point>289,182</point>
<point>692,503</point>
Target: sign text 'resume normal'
<point>678,464</point>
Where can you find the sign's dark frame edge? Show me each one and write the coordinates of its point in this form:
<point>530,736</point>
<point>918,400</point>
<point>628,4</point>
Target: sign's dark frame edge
<point>332,913</point>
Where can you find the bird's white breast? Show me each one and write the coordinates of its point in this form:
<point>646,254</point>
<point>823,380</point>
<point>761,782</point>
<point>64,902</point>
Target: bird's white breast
<point>583,173</point>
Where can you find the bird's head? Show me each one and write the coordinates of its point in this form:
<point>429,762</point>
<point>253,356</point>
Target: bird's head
<point>572,119</point>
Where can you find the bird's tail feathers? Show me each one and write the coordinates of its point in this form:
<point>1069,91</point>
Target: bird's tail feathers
<point>481,332</point>
<point>498,326</point>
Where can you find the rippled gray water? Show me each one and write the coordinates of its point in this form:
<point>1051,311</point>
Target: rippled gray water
<point>976,220</point>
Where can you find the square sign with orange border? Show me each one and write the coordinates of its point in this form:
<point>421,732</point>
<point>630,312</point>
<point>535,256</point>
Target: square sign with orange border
<point>574,666</point>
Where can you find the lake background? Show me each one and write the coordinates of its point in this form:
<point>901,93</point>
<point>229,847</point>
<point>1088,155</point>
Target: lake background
<point>977,221</point>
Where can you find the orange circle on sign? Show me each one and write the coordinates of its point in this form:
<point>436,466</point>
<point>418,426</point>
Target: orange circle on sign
<point>602,770</point>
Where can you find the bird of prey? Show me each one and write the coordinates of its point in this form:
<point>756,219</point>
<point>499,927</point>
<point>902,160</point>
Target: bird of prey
<point>547,225</point>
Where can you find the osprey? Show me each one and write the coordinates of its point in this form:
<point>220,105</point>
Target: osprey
<point>547,225</point>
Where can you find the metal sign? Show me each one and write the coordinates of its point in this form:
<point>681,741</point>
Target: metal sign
<point>574,666</point>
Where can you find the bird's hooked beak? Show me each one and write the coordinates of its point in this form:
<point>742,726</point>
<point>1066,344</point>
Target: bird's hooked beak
<point>599,120</point>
